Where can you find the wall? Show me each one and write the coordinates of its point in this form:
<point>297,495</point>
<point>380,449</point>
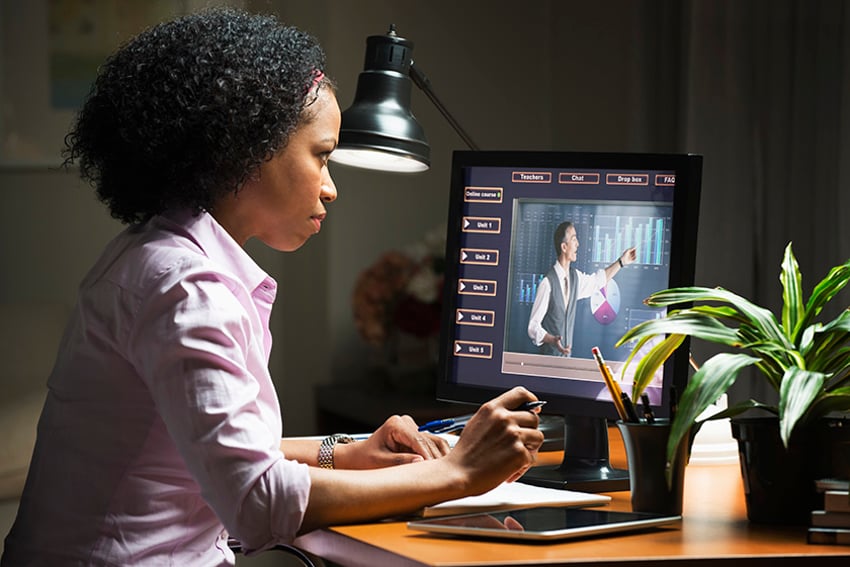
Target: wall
<point>492,74</point>
<point>547,75</point>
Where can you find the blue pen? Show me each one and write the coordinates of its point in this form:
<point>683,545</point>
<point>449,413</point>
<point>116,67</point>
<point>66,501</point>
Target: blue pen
<point>457,426</point>
<point>436,425</point>
<point>453,424</point>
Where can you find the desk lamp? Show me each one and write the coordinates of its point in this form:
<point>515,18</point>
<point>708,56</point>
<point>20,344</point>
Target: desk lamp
<point>379,130</point>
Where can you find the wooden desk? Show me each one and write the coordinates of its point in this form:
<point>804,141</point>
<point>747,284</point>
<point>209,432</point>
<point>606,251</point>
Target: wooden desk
<point>714,531</point>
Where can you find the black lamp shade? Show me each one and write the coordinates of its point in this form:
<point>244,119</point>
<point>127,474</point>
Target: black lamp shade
<point>379,131</point>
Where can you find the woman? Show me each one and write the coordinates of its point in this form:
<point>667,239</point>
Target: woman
<point>160,435</point>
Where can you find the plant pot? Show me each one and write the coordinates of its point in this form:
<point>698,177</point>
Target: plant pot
<point>646,452</point>
<point>779,483</point>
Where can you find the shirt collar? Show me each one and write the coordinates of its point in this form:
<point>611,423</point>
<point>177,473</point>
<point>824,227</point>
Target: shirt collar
<point>559,270</point>
<point>217,244</point>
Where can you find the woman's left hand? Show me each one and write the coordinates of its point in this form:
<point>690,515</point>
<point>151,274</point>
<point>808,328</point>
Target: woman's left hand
<point>396,442</point>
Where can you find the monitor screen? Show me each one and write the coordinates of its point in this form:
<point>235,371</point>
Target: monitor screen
<point>550,254</point>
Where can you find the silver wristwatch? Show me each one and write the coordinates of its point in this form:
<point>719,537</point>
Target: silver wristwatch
<point>326,449</point>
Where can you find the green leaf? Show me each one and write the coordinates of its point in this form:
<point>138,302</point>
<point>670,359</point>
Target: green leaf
<point>792,293</point>
<point>712,380</point>
<point>759,318</point>
<point>799,389</point>
<point>685,322</point>
<point>719,312</point>
<point>825,348</point>
<point>636,349</point>
<point>740,408</point>
<point>836,400</point>
<point>841,377</point>
<point>772,370</point>
<point>840,323</point>
<point>824,291</point>
<point>654,359</point>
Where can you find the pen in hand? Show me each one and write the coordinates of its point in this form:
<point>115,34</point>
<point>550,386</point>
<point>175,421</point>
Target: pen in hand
<point>449,425</point>
<point>436,425</point>
<point>530,406</point>
<point>445,425</point>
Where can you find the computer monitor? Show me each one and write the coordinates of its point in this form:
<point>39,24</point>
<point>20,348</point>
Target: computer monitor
<point>504,210</point>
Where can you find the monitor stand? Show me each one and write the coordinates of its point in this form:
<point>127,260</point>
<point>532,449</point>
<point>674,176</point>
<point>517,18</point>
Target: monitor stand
<point>585,467</point>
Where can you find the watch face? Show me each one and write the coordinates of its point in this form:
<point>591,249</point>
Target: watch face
<point>605,303</point>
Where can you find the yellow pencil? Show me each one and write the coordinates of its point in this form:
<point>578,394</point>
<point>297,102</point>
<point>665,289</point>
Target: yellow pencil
<point>613,387</point>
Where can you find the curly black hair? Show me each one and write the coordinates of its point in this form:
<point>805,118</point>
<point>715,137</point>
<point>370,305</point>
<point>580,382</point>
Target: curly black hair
<point>188,110</point>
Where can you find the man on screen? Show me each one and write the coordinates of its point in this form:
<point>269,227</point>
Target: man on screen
<point>553,315</point>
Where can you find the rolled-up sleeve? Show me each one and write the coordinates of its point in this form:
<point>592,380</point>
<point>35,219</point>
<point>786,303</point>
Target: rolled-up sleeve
<point>201,344</point>
<point>285,502</point>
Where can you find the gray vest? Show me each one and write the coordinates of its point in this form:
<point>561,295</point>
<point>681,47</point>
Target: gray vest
<point>560,319</point>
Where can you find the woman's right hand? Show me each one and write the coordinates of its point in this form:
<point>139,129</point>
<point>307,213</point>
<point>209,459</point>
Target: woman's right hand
<point>498,443</point>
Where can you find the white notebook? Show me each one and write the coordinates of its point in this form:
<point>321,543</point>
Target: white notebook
<point>513,495</point>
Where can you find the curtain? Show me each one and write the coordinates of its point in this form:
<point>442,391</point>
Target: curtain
<point>764,97</point>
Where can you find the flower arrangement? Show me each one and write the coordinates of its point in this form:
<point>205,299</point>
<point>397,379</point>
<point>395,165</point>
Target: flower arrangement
<point>402,292</point>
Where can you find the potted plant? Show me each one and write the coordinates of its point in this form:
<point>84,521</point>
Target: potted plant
<point>805,361</point>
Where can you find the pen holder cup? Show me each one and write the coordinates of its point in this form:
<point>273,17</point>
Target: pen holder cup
<point>646,453</point>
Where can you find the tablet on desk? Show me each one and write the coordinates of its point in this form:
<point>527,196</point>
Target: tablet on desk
<point>542,524</point>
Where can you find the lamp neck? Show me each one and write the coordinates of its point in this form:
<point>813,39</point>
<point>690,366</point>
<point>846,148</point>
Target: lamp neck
<point>421,81</point>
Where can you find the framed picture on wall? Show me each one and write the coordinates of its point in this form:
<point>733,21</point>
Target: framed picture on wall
<point>49,54</point>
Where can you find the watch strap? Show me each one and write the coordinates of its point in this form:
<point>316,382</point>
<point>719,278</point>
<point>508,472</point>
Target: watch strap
<point>326,448</point>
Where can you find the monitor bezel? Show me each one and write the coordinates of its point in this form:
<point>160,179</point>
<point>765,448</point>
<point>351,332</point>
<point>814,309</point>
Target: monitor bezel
<point>688,171</point>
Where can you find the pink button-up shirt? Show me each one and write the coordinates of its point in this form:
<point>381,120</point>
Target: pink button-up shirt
<point>161,430</point>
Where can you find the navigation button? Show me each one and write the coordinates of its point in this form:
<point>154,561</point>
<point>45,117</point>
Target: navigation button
<point>665,180</point>
<point>478,256</point>
<point>578,178</point>
<point>531,177</point>
<point>638,179</point>
<point>482,224</point>
<point>482,194</point>
<point>476,287</point>
<point>473,349</point>
<point>475,317</point>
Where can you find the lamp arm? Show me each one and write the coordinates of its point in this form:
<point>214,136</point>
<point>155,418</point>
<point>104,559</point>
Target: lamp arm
<point>420,80</point>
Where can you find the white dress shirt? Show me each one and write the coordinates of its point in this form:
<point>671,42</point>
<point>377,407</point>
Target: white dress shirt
<point>587,285</point>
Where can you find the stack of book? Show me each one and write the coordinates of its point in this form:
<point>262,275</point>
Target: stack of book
<point>832,524</point>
